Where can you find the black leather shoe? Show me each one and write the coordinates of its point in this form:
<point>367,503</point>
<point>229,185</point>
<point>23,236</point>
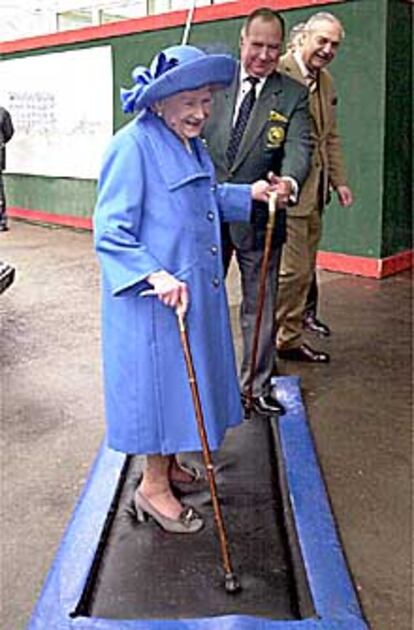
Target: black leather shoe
<point>267,405</point>
<point>314,325</point>
<point>305,354</point>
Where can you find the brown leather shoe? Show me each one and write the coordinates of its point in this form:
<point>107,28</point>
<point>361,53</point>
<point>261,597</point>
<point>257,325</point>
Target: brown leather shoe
<point>304,353</point>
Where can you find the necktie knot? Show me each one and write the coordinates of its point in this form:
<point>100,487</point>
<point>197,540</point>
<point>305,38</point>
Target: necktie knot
<point>311,80</point>
<point>253,81</point>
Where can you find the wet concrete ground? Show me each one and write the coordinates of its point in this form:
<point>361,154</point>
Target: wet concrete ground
<point>359,407</point>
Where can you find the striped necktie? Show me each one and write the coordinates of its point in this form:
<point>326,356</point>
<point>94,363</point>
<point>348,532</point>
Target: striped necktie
<point>246,107</point>
<point>311,81</point>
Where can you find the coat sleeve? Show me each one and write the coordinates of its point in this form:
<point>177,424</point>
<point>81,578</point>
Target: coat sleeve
<point>8,129</point>
<point>125,261</point>
<point>234,202</point>
<point>297,148</point>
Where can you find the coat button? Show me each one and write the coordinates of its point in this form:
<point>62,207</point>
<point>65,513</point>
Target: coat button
<point>210,215</point>
<point>216,282</point>
<point>214,250</point>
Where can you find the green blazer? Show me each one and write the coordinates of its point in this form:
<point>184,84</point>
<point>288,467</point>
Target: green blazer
<point>327,166</point>
<point>277,138</point>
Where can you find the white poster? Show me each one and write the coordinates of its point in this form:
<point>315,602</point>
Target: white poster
<point>61,106</point>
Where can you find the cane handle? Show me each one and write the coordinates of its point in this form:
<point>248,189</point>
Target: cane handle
<point>180,317</point>
<point>272,209</point>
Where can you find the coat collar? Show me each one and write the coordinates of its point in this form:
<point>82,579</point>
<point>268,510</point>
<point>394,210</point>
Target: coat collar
<point>289,65</point>
<point>175,164</point>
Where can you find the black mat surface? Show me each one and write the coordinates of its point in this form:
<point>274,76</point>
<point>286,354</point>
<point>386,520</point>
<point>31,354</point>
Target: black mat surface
<point>142,572</point>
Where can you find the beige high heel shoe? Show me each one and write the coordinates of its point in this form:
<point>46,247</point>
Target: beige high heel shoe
<point>188,522</point>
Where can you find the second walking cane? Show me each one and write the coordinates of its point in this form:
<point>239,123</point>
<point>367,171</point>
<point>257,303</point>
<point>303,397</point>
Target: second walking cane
<point>261,296</point>
<point>231,583</point>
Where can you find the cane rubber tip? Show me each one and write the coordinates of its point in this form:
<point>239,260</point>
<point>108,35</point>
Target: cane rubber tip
<point>231,583</point>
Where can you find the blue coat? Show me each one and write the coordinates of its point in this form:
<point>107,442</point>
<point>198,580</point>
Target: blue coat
<point>159,207</point>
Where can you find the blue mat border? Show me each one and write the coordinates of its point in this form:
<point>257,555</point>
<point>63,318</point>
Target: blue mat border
<point>334,597</point>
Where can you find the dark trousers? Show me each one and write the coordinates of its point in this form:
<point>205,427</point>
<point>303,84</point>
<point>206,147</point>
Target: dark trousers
<point>3,216</point>
<point>311,306</point>
<point>250,263</point>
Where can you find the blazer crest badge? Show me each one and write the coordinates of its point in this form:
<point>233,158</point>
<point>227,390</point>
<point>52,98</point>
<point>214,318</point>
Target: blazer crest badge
<point>275,137</point>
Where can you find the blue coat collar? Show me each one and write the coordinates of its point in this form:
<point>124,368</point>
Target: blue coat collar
<point>175,164</point>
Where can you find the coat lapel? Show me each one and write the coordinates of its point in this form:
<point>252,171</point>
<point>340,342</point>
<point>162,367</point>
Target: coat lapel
<point>267,100</point>
<point>226,103</point>
<point>289,66</point>
<point>323,100</point>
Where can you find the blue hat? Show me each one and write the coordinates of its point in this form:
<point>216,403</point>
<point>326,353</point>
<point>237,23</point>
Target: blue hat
<point>176,69</point>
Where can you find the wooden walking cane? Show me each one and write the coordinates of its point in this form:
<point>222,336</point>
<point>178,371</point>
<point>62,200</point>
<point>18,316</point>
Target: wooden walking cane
<point>261,296</point>
<point>231,583</point>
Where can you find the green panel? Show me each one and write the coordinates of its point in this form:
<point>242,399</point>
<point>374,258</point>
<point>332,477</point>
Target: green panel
<point>57,195</point>
<point>397,217</point>
<point>359,72</point>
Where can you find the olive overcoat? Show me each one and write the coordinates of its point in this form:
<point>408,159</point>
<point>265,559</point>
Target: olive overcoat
<point>159,207</point>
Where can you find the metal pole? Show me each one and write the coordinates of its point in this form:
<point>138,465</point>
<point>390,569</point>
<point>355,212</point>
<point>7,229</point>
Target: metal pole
<point>232,584</point>
<point>187,29</point>
<point>261,296</point>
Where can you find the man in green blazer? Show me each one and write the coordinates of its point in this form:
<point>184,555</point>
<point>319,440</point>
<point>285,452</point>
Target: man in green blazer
<point>273,137</point>
<point>318,45</point>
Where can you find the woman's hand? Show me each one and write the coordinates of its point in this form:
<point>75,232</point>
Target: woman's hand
<point>262,189</point>
<point>169,290</point>
<point>282,186</point>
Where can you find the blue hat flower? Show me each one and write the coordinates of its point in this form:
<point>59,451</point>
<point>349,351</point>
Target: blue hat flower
<point>176,69</point>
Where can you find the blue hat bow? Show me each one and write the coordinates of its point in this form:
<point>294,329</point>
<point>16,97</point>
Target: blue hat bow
<point>143,77</point>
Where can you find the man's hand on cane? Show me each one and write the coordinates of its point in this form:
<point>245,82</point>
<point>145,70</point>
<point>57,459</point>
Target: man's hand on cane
<point>283,186</point>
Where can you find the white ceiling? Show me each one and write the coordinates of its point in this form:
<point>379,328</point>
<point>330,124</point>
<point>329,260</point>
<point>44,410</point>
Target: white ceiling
<point>21,18</point>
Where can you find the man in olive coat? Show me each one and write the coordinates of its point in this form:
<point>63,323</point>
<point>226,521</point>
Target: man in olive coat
<point>276,139</point>
<point>319,43</point>
<point>6,132</point>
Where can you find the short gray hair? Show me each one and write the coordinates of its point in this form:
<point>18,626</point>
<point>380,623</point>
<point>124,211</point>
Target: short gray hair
<point>323,16</point>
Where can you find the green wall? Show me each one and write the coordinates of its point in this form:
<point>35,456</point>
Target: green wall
<point>397,200</point>
<point>56,195</point>
<point>372,73</point>
<point>360,82</point>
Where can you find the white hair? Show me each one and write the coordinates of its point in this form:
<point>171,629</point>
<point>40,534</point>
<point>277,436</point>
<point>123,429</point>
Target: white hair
<point>323,16</point>
<point>296,30</point>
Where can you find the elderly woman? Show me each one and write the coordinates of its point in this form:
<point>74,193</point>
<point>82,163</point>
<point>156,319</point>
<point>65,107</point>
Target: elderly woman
<point>157,234</point>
